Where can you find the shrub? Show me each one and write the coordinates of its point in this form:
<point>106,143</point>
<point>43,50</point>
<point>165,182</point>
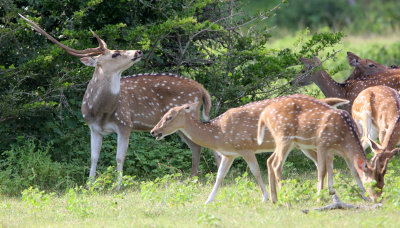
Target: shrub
<point>29,164</point>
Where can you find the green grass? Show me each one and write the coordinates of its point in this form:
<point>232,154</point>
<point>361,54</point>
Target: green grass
<point>174,201</point>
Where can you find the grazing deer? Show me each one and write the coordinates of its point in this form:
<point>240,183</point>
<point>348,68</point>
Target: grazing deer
<point>376,111</point>
<point>347,90</point>
<point>310,124</point>
<point>135,103</point>
<point>232,134</point>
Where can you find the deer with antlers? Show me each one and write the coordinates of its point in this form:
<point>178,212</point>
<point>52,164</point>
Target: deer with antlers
<point>307,123</point>
<point>347,90</point>
<point>232,134</point>
<point>134,103</point>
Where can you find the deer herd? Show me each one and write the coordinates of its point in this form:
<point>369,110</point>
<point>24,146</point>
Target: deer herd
<point>165,103</point>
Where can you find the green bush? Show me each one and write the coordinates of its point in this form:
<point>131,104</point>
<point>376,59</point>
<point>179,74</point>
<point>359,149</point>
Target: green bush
<point>29,165</point>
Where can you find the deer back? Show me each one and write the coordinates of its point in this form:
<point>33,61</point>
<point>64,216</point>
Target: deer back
<point>381,103</point>
<point>310,122</point>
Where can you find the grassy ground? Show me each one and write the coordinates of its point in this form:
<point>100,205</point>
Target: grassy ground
<point>174,201</point>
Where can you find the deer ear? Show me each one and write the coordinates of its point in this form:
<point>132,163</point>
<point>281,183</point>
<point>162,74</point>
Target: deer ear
<point>317,61</point>
<point>352,59</point>
<point>89,61</point>
<point>307,62</point>
<point>362,164</point>
<point>191,107</point>
<point>376,148</point>
<point>393,153</point>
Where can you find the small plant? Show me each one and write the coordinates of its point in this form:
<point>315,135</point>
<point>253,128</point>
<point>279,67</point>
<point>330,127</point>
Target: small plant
<point>35,198</point>
<point>296,190</point>
<point>207,219</point>
<point>108,181</point>
<point>241,192</point>
<point>391,190</point>
<point>76,204</point>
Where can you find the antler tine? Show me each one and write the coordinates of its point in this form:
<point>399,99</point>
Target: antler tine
<point>79,53</point>
<point>101,42</point>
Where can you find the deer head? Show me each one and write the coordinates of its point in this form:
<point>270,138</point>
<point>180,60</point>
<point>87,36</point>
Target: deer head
<point>173,121</point>
<point>305,77</point>
<point>364,67</point>
<point>380,161</point>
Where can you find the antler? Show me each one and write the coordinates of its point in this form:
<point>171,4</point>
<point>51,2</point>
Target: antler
<point>79,53</point>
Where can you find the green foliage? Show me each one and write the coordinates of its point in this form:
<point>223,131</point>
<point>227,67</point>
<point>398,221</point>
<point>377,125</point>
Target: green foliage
<point>29,164</point>
<point>391,191</point>
<point>240,193</point>
<point>108,181</point>
<point>35,198</point>
<point>77,202</point>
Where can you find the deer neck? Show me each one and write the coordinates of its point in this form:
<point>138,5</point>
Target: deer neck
<point>102,94</point>
<point>204,134</point>
<point>355,74</point>
<point>328,86</point>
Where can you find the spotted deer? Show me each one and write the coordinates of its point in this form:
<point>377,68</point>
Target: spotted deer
<point>134,103</point>
<point>347,90</point>
<point>232,134</point>
<point>366,68</point>
<point>376,110</point>
<point>307,123</point>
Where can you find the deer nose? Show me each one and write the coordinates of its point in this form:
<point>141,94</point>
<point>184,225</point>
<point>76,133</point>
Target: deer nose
<point>152,133</point>
<point>138,53</point>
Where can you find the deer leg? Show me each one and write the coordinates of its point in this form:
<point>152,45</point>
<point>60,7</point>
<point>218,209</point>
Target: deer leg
<point>275,164</point>
<point>272,179</point>
<point>196,152</point>
<point>226,163</point>
<point>251,160</point>
<point>311,154</point>
<point>355,175</point>
<point>96,140</point>
<point>329,167</point>
<point>279,160</point>
<point>321,168</point>
<point>365,127</point>
<point>122,146</point>
<point>217,157</point>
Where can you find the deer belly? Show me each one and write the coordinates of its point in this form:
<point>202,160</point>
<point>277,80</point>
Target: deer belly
<point>228,153</point>
<point>106,129</point>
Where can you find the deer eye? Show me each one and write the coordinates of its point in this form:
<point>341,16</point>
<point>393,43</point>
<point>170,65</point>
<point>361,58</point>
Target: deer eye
<point>371,65</point>
<point>115,55</point>
<point>168,118</point>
